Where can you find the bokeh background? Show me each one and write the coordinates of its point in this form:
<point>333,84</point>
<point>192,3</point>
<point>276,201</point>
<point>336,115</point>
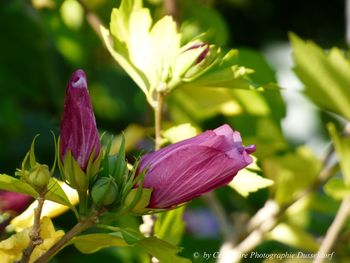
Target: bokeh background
<point>43,41</point>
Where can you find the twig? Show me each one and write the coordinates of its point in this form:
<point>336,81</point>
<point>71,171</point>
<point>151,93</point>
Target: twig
<point>215,205</point>
<point>78,228</point>
<point>171,8</point>
<point>230,252</point>
<point>334,230</point>
<point>34,234</point>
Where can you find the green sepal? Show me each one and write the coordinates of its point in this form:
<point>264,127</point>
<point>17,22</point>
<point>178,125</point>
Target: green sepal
<point>73,175</point>
<point>137,200</point>
<point>32,159</point>
<point>186,59</point>
<point>94,166</point>
<point>211,59</point>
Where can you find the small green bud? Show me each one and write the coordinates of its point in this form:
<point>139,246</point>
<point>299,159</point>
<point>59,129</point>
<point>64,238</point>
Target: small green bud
<point>105,191</point>
<point>39,176</point>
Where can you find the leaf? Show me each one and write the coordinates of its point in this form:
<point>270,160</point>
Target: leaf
<point>170,225</point>
<point>120,56</point>
<point>56,193</point>
<point>325,75</point>
<point>93,242</point>
<point>194,103</point>
<point>293,236</point>
<point>180,132</point>
<point>336,188</point>
<point>342,147</point>
<point>10,183</point>
<point>291,172</point>
<point>163,251</point>
<point>246,182</point>
<point>160,249</point>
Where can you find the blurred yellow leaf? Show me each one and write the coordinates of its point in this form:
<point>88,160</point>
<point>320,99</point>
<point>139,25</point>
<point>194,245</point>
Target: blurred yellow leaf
<point>291,172</point>
<point>248,181</point>
<point>180,132</point>
<point>11,248</point>
<point>293,236</point>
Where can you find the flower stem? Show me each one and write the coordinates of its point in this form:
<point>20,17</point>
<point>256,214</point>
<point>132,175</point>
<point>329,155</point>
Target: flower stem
<point>78,228</point>
<point>34,234</point>
<point>158,114</point>
<point>147,227</point>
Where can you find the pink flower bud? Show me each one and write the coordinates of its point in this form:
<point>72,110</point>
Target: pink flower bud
<point>190,168</point>
<point>79,133</point>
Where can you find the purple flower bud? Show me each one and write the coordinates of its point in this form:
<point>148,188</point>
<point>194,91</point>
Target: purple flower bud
<point>190,168</point>
<point>78,127</point>
<point>203,54</point>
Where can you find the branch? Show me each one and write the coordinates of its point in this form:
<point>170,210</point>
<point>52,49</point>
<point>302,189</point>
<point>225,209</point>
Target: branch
<point>34,234</point>
<point>334,230</point>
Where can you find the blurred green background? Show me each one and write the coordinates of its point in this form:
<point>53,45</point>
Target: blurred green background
<point>43,41</point>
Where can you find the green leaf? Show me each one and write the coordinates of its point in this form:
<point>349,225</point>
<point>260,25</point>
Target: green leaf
<point>336,188</point>
<point>325,75</point>
<point>10,183</point>
<point>342,147</point>
<point>170,225</point>
<point>93,242</point>
<point>160,249</point>
<point>165,252</point>
<point>293,236</point>
<point>246,182</point>
<point>56,193</point>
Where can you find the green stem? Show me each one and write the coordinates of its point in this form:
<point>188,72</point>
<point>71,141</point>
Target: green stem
<point>158,114</point>
<point>82,203</point>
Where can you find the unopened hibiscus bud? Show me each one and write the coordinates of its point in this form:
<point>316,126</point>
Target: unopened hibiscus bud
<point>105,191</point>
<point>187,169</point>
<point>204,52</point>
<point>79,133</point>
<point>79,140</point>
<point>39,176</point>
